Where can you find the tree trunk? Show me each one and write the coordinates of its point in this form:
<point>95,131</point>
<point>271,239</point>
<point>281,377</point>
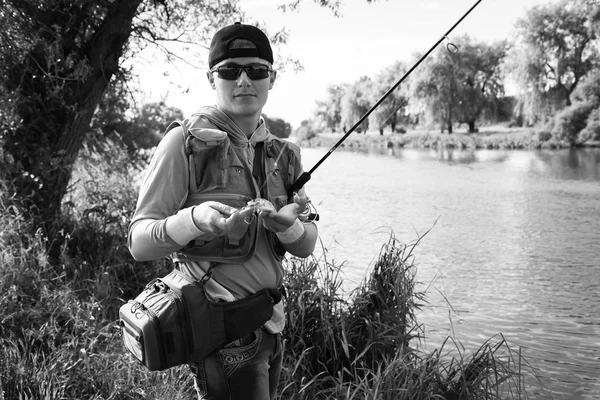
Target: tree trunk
<point>55,118</point>
<point>471,126</point>
<point>449,118</point>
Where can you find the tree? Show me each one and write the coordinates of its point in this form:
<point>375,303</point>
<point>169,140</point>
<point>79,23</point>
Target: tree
<point>436,86</point>
<point>480,83</point>
<point>278,127</point>
<point>57,59</point>
<point>356,102</point>
<point>329,111</point>
<point>460,86</point>
<point>389,110</point>
<point>558,45</point>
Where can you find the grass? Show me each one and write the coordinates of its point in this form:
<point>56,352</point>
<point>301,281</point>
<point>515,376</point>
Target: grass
<point>59,337</point>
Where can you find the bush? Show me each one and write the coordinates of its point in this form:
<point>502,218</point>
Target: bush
<point>570,121</point>
<point>592,129</point>
<point>588,90</point>
<point>542,135</point>
<point>278,127</point>
<point>305,131</point>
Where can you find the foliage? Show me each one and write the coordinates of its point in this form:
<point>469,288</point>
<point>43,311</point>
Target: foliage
<point>329,111</point>
<point>570,121</point>
<point>393,107</point>
<point>482,84</point>
<point>578,123</point>
<point>306,131</point>
<point>355,102</point>
<point>592,128</point>
<point>437,88</point>
<point>118,120</point>
<point>589,88</point>
<point>278,127</point>
<point>558,46</point>
<point>152,121</point>
<point>460,86</point>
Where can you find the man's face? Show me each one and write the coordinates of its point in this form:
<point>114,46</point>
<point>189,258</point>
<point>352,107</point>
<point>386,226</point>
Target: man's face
<point>242,96</point>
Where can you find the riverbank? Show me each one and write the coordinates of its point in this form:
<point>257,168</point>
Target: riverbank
<point>493,137</point>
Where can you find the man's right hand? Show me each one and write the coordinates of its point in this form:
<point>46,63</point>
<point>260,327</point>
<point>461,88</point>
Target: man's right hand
<point>219,219</point>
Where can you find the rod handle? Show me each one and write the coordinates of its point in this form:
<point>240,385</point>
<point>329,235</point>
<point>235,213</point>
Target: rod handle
<point>298,184</point>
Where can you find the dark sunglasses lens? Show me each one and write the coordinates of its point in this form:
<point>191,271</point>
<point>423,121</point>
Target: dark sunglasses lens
<point>228,73</point>
<point>232,73</point>
<point>255,73</point>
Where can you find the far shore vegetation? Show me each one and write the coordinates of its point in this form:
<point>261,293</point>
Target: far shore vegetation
<point>492,137</point>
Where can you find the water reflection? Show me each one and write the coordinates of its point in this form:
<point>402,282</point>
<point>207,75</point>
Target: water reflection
<point>581,164</point>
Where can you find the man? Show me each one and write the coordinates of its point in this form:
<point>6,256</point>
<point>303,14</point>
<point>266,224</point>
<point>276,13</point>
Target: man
<point>192,207</point>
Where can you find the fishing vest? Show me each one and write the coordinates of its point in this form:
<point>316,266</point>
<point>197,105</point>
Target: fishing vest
<point>219,171</point>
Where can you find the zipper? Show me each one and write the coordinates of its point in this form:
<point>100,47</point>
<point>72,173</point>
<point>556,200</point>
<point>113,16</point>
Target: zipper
<point>182,321</point>
<point>161,348</point>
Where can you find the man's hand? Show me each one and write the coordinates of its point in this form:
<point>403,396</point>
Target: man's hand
<point>219,219</point>
<point>280,221</point>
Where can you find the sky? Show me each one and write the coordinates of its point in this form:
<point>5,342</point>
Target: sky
<point>364,40</point>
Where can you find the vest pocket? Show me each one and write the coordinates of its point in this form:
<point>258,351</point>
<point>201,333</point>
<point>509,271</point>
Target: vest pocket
<point>208,163</point>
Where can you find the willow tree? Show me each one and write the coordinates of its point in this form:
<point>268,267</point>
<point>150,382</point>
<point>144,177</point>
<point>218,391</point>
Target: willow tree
<point>57,58</point>
<point>558,44</point>
<point>460,82</point>
<point>390,110</point>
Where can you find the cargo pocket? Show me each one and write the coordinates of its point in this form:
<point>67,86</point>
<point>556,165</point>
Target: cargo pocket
<point>208,163</point>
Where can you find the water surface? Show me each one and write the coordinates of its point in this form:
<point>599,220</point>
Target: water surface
<point>513,246</point>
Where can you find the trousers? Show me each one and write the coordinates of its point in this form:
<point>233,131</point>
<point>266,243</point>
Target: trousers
<point>246,369</point>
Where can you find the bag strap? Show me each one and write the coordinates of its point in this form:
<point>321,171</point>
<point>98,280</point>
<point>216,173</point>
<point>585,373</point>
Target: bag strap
<point>258,168</point>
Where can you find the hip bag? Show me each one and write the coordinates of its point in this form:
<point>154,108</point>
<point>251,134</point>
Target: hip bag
<point>173,321</point>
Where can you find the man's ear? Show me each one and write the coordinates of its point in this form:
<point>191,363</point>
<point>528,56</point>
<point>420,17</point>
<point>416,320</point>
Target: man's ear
<point>272,79</point>
<point>211,79</point>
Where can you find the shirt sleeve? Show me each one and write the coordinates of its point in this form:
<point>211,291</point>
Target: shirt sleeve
<point>159,226</point>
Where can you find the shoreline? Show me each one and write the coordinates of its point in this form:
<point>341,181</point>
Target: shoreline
<point>493,138</point>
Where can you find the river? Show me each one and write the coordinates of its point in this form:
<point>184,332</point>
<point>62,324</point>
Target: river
<point>512,246</point>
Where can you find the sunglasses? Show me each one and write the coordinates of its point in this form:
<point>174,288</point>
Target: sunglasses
<point>231,72</point>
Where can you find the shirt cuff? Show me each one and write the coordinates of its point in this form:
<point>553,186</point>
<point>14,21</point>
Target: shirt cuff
<point>292,233</point>
<point>181,227</point>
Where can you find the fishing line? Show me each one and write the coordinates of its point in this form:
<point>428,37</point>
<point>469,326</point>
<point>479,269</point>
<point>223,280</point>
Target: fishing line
<point>402,103</point>
<point>305,176</point>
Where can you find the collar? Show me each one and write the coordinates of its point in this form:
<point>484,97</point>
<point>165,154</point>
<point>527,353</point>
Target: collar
<point>237,137</point>
<point>260,134</point>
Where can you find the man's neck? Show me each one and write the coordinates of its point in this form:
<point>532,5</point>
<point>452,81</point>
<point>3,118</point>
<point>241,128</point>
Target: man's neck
<point>247,124</point>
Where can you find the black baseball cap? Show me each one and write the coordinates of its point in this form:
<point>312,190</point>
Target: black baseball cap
<point>219,46</point>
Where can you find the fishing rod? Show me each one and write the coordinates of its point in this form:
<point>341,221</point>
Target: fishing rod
<point>305,176</point>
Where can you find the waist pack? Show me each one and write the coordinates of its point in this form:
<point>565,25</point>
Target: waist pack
<point>173,322</point>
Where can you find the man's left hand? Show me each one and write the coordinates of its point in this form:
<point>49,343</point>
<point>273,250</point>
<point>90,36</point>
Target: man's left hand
<point>280,221</point>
